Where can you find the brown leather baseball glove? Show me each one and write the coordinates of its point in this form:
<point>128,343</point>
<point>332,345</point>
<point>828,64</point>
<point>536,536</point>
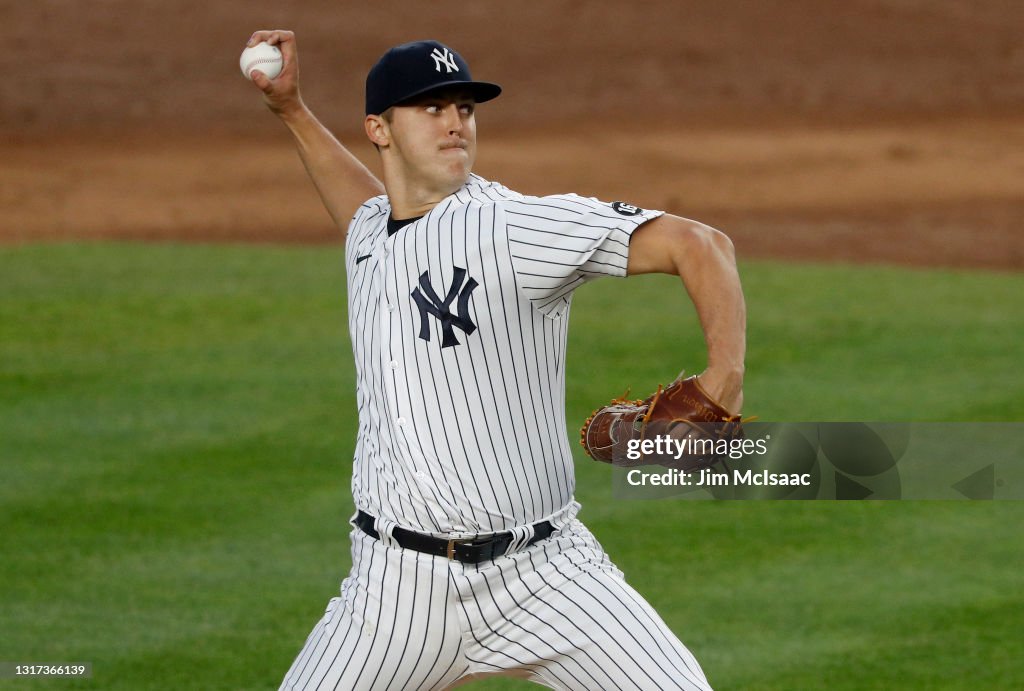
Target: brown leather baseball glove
<point>679,427</point>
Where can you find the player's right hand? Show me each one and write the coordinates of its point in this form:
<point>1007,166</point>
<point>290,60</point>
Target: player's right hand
<point>281,94</point>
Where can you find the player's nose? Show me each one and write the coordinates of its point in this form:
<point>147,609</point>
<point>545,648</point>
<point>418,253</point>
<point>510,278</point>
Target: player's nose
<point>453,119</point>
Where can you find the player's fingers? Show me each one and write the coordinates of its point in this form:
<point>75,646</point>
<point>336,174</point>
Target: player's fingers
<point>286,42</point>
<point>261,80</point>
<point>258,37</point>
<point>280,37</point>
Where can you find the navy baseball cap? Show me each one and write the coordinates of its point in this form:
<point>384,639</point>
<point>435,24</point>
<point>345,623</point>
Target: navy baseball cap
<point>413,69</point>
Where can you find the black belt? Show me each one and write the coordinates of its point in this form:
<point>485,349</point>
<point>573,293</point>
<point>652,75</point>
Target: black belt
<point>472,551</point>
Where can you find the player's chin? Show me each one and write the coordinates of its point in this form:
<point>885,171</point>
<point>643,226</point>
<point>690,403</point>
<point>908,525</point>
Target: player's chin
<point>456,172</point>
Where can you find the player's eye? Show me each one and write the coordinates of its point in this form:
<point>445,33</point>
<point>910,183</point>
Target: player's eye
<point>433,109</point>
<point>467,108</point>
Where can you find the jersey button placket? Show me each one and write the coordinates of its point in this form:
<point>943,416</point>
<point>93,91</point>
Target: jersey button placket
<point>388,363</point>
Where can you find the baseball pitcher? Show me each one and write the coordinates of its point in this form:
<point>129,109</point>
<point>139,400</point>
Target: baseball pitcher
<point>467,556</point>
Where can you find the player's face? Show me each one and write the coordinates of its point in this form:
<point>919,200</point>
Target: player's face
<point>434,139</point>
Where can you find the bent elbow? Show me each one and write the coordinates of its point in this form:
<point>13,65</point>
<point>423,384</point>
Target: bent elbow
<point>723,243</point>
<point>675,245</point>
<point>704,241</point>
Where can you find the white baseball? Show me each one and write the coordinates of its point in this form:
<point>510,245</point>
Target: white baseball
<point>263,57</point>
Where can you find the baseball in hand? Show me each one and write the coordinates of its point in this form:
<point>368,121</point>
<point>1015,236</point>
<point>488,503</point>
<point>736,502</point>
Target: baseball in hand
<point>263,57</point>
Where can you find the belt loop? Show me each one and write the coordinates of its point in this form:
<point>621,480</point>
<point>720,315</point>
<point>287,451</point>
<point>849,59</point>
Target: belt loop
<point>521,536</point>
<point>386,530</point>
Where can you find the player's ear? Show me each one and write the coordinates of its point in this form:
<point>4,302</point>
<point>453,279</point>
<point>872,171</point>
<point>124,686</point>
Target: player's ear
<point>377,130</point>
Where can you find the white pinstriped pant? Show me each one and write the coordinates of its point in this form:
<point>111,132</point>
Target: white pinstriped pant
<point>558,613</point>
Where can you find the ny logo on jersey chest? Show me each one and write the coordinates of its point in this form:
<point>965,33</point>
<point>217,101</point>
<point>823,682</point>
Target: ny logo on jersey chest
<point>429,303</point>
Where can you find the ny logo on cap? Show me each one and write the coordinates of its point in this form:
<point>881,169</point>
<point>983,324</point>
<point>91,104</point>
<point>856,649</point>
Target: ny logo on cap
<point>446,58</point>
<point>429,302</point>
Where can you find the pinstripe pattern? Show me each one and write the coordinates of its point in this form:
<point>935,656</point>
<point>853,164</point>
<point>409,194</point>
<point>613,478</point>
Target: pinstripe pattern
<point>392,628</point>
<point>558,612</point>
<point>471,439</point>
<point>458,326</point>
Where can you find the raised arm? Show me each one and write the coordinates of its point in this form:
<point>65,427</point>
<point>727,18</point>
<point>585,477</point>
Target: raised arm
<point>343,182</point>
<point>706,262</point>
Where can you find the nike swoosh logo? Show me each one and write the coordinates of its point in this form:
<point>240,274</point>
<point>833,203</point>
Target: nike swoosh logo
<point>363,258</point>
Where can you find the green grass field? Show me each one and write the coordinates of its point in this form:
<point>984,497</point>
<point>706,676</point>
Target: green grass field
<point>176,430</point>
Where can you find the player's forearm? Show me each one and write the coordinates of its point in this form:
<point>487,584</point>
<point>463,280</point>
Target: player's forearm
<point>706,262</point>
<point>342,180</point>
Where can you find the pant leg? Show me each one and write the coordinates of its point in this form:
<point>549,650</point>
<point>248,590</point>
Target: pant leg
<point>562,612</point>
<point>395,626</point>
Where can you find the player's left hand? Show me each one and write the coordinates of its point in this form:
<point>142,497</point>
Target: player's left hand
<point>681,414</point>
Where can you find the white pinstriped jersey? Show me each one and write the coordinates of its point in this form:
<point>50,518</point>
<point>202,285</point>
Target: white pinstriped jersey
<point>458,324</point>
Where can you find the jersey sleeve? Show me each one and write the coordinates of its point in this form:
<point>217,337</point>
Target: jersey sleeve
<point>560,242</point>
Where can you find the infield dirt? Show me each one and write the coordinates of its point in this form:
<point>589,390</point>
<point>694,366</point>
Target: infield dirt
<point>885,131</point>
